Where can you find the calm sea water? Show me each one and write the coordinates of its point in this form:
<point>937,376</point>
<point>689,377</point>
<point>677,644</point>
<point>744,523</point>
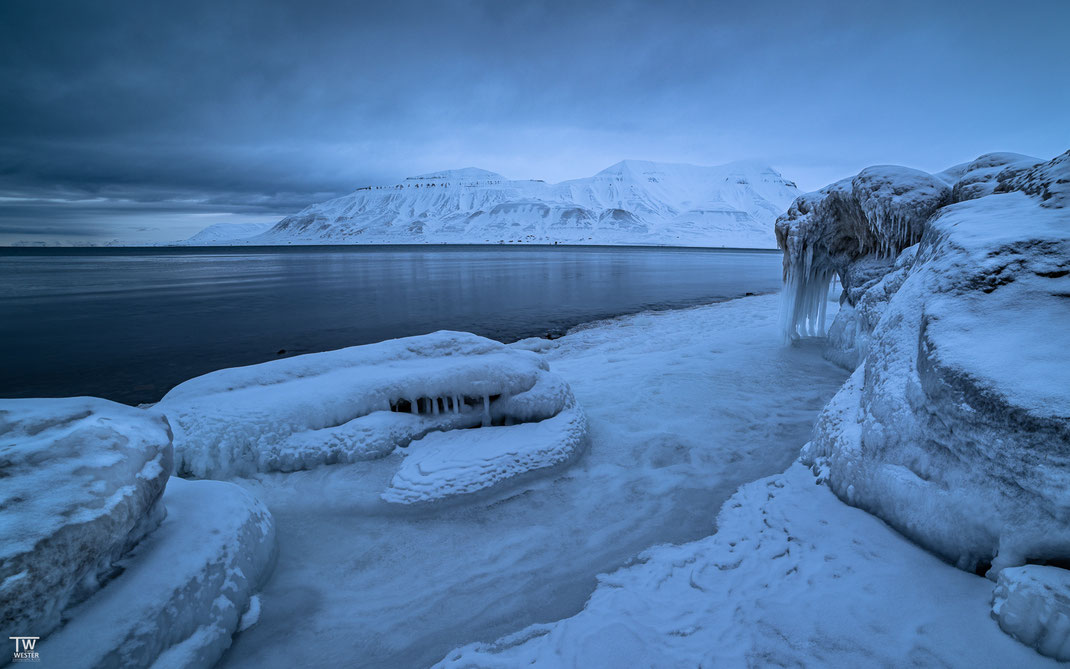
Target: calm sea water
<point>129,324</point>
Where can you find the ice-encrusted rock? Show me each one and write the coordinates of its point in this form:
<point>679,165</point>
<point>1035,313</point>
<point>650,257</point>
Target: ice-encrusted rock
<point>1032,604</point>
<point>955,428</point>
<point>182,590</point>
<point>363,402</point>
<point>80,485</point>
<point>853,228</point>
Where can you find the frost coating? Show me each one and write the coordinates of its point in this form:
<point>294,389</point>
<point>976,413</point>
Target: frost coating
<point>80,485</point>
<point>183,589</point>
<point>361,403</point>
<point>955,428</point>
<point>1032,604</point>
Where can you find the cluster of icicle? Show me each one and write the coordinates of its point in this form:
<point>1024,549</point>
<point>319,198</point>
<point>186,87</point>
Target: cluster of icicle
<point>436,405</point>
<point>804,301</point>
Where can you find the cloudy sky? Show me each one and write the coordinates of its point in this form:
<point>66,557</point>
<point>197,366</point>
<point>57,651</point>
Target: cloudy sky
<point>147,121</point>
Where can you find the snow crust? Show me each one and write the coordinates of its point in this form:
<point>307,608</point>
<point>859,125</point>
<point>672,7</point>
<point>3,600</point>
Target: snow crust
<point>632,202</point>
<point>182,590</point>
<point>80,485</point>
<point>792,577</point>
<point>1032,604</point>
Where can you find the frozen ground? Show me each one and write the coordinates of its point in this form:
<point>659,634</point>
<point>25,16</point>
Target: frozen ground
<point>792,578</point>
<point>683,407</point>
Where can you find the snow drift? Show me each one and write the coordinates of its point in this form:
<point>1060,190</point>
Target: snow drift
<point>363,402</point>
<point>792,577</point>
<point>632,202</point>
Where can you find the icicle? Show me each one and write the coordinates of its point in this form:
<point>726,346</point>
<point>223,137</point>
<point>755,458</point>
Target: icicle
<point>414,406</point>
<point>434,405</point>
<point>486,411</point>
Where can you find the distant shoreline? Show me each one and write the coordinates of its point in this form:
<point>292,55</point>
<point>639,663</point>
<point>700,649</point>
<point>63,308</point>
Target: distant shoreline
<point>230,248</point>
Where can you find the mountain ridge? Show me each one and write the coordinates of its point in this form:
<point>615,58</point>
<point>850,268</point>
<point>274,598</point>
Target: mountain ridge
<point>632,202</point>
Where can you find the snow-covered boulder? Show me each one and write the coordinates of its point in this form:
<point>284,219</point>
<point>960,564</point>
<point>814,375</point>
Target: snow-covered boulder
<point>955,428</point>
<point>1032,604</point>
<point>182,591</point>
<point>362,403</point>
<point>80,485</point>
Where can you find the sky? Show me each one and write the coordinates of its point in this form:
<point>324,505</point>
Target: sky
<point>145,121</point>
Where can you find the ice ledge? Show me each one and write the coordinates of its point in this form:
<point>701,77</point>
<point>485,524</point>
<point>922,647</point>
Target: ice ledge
<point>183,590</point>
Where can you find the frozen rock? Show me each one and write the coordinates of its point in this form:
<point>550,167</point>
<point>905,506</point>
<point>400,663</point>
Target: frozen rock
<point>80,485</point>
<point>956,427</point>
<point>358,403</point>
<point>1032,604</point>
<point>182,591</point>
<point>845,229</point>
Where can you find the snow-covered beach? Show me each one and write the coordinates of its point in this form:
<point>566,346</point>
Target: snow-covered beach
<point>722,403</point>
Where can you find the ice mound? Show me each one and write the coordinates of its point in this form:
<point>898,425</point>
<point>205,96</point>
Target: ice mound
<point>1032,604</point>
<point>955,428</point>
<point>792,577</point>
<point>80,485</point>
<point>182,590</point>
<point>361,403</point>
<point>443,464</point>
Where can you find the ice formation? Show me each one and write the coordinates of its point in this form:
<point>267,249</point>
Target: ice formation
<point>105,558</point>
<point>956,426</point>
<point>81,485</point>
<point>632,202</point>
<point>362,403</point>
<point>1032,604</point>
<point>182,591</point>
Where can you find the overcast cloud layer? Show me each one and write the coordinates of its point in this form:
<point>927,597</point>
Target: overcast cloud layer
<point>148,121</point>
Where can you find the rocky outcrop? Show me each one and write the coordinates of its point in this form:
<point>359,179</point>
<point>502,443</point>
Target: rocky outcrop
<point>956,426</point>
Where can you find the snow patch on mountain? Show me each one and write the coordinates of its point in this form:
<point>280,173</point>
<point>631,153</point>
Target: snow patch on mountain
<point>632,202</point>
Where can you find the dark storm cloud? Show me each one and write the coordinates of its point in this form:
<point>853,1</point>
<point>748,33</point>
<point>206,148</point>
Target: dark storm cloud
<point>129,111</point>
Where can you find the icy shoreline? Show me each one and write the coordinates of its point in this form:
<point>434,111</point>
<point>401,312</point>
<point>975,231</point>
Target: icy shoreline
<point>722,403</point>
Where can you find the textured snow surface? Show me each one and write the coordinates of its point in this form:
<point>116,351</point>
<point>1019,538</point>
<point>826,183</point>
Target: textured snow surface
<point>80,483</point>
<point>1032,604</point>
<point>632,202</point>
<point>363,402</point>
<point>182,590</point>
<point>792,577</point>
<point>682,406</point>
<point>956,428</point>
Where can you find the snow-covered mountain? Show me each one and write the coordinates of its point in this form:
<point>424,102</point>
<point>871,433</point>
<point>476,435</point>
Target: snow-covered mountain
<point>224,234</point>
<point>632,202</point>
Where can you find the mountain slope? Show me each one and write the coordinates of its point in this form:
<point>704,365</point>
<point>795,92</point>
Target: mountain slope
<point>632,202</point>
